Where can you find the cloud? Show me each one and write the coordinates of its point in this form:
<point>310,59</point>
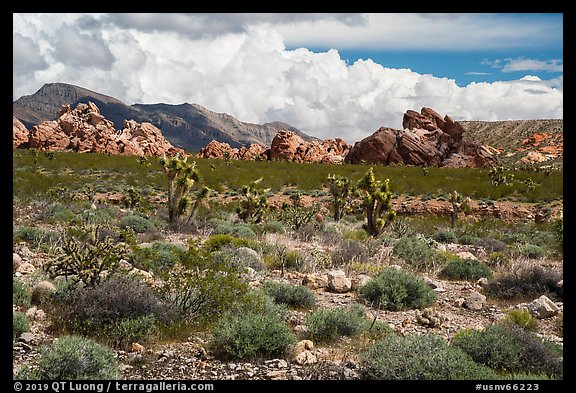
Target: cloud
<point>478,73</point>
<point>523,64</point>
<point>252,75</point>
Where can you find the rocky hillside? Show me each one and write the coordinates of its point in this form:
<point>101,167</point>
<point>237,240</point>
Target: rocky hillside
<point>188,126</point>
<point>520,142</point>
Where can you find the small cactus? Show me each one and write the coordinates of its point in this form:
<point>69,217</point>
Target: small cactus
<point>254,205</point>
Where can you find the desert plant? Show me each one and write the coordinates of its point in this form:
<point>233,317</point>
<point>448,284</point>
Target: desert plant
<point>499,176</point>
<point>509,348</point>
<point>160,256</point>
<point>526,283</point>
<point>445,236</point>
<point>465,269</point>
<point>137,222</point>
<point>458,204</point>
<point>131,198</point>
<point>531,251</point>
<point>522,318</point>
<point>254,204</point>
<point>84,255</point>
<point>77,358</point>
<point>394,289</point>
<point>20,324</point>
<point>498,259</point>
<point>250,335</point>
<point>342,192</point>
<point>419,357</point>
<point>327,325</point>
<point>120,310</point>
<point>21,294</point>
<point>377,203</point>
<point>181,176</point>
<point>415,251</point>
<point>291,295</point>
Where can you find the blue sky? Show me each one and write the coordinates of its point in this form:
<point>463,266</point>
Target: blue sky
<point>330,75</point>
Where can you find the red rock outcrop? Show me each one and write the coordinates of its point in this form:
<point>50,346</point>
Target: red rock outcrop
<point>217,149</point>
<point>85,129</point>
<point>427,139</point>
<point>288,146</point>
<point>19,133</point>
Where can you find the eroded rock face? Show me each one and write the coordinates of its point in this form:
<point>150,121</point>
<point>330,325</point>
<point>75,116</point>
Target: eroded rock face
<point>19,133</point>
<point>427,139</point>
<point>84,129</point>
<point>223,150</point>
<point>288,146</point>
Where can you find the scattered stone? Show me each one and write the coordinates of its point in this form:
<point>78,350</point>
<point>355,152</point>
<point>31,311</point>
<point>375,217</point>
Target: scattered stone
<point>16,262</point>
<point>136,347</point>
<point>466,255</point>
<point>338,282</point>
<point>305,357</point>
<point>359,281</point>
<point>429,318</point>
<point>482,282</point>
<point>543,307</point>
<point>26,268</point>
<point>475,301</point>
<point>42,292</point>
<point>315,281</point>
<point>27,338</point>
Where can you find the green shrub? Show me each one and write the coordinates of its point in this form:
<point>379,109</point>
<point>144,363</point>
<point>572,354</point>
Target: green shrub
<point>531,251</point>
<point>445,236</point>
<point>20,324</point>
<point>122,333</point>
<point>419,357</point>
<point>522,318</point>
<point>526,283</point>
<point>508,348</point>
<point>21,294</point>
<point>498,259</point>
<point>393,289</point>
<point>77,358</point>
<point>327,325</point>
<point>160,256</point>
<point>468,239</point>
<point>274,227</point>
<point>291,295</point>
<point>138,223</point>
<point>493,245</point>
<point>36,237</point>
<point>465,269</point>
<point>416,252</point>
<point>250,335</point>
<point>216,242</point>
<point>239,258</point>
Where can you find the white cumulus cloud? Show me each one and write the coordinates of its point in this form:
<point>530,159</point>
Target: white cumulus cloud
<point>248,72</point>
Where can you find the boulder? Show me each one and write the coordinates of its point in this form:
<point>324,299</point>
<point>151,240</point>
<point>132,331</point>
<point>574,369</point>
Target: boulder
<point>543,307</point>
<point>20,133</point>
<point>16,262</point>
<point>42,292</point>
<point>475,301</point>
<point>338,282</point>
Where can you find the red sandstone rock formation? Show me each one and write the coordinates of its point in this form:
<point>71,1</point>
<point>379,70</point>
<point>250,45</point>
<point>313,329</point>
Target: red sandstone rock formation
<point>19,133</point>
<point>84,129</point>
<point>427,139</point>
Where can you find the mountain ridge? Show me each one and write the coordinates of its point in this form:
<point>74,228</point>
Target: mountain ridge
<point>188,126</point>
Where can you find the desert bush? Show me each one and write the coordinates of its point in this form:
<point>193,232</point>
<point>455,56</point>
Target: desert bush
<point>416,252</point>
<point>20,324</point>
<point>465,269</point>
<point>216,242</point>
<point>159,256</point>
<point>21,294</point>
<point>201,287</point>
<point>530,251</point>
<point>393,289</point>
<point>498,259</point>
<point>239,258</point>
<point>291,295</point>
<point>526,283</point>
<point>445,236</point>
<point>493,245</point>
<point>507,348</point>
<point>137,222</point>
<point>120,310</point>
<point>250,335</point>
<point>469,239</point>
<point>41,238</point>
<point>419,357</point>
<point>327,325</point>
<point>522,318</point>
<point>58,213</point>
<point>77,358</point>
<point>274,227</point>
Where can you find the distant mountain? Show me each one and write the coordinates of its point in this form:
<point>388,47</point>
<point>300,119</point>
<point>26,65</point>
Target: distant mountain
<point>188,126</point>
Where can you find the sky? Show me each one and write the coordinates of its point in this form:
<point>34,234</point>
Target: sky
<point>329,75</point>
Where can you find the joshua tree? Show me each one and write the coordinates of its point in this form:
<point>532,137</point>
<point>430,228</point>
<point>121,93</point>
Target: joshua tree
<point>181,177</point>
<point>254,205</point>
<point>377,203</point>
<point>458,204</point>
<point>342,192</point>
<point>498,176</point>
